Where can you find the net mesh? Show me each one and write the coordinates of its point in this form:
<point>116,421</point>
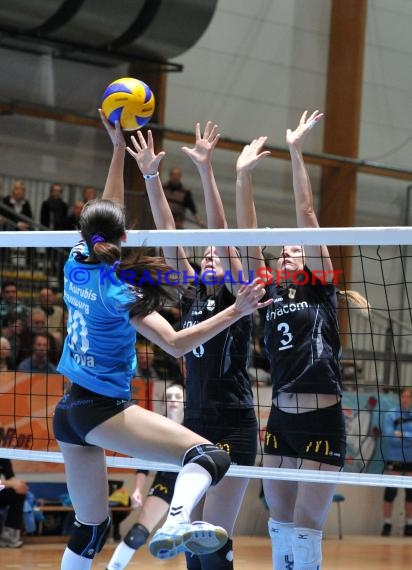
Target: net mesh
<point>376,358</point>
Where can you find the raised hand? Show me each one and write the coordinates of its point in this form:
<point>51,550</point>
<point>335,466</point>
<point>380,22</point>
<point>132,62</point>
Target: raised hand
<point>115,132</point>
<point>251,155</point>
<point>201,153</point>
<point>248,298</point>
<point>295,138</point>
<point>147,160</point>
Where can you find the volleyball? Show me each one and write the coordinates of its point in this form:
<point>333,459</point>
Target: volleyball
<point>129,101</point>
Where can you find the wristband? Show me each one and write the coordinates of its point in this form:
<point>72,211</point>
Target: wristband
<point>150,176</point>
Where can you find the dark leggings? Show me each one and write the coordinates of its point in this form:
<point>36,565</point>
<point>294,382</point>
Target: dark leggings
<point>9,498</point>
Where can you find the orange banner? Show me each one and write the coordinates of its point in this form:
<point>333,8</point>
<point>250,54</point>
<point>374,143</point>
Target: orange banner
<point>27,403</point>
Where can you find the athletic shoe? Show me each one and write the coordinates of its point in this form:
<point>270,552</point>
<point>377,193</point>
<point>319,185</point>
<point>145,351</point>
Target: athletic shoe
<point>407,531</point>
<point>386,529</point>
<point>197,538</point>
<point>10,538</point>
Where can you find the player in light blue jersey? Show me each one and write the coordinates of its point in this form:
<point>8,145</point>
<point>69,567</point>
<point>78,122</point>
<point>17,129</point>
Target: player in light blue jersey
<point>397,453</point>
<point>99,359</point>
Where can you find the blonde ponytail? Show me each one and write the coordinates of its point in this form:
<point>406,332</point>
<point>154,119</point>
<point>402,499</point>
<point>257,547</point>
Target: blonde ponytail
<point>348,299</point>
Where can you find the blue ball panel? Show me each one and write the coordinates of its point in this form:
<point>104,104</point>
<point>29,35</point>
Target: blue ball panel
<point>116,88</point>
<point>148,92</point>
<point>115,115</point>
<point>141,121</point>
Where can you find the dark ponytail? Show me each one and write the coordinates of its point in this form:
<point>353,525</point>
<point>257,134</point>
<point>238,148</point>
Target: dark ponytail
<point>102,224</point>
<point>146,275</point>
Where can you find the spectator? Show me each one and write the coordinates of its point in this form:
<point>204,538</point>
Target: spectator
<point>17,202</point>
<point>12,496</point>
<point>15,331</point>
<point>89,193</point>
<point>53,313</point>
<point>72,222</point>
<point>5,351</point>
<point>38,325</point>
<point>38,361</point>
<point>9,304</point>
<point>146,371</point>
<point>180,199</point>
<point>397,434</point>
<point>53,213</point>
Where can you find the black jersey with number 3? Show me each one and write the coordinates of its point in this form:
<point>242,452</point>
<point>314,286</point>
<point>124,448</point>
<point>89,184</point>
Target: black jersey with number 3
<point>217,375</point>
<point>302,338</point>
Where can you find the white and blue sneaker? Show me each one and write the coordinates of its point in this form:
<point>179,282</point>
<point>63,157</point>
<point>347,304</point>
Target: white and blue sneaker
<point>197,538</point>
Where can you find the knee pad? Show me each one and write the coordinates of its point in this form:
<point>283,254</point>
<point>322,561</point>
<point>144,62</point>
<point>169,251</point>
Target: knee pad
<point>307,547</point>
<point>281,535</point>
<point>88,539</point>
<point>214,460</point>
<point>222,559</point>
<point>408,495</point>
<point>137,536</point>
<point>390,494</point>
<point>192,561</point>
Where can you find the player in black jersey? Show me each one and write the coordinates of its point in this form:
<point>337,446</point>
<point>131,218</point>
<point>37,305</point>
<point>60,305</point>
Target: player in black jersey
<point>219,400</point>
<point>306,424</point>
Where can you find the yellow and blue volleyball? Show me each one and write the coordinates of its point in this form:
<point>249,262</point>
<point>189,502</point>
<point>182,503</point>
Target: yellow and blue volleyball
<point>129,101</point>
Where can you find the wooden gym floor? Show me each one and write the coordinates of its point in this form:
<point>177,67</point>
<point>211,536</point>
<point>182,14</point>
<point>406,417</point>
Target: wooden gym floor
<point>351,553</point>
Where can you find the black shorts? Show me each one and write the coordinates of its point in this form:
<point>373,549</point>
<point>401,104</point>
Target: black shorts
<point>234,431</point>
<point>163,486</point>
<point>80,410</point>
<point>318,435</point>
<point>398,467</point>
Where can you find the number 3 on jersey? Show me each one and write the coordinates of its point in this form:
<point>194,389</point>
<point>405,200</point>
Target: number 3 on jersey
<point>287,337</point>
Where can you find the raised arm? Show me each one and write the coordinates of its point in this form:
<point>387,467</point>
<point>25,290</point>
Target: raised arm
<point>251,155</point>
<point>177,343</point>
<point>201,156</point>
<point>317,257</point>
<point>114,187</point>
<point>148,162</point>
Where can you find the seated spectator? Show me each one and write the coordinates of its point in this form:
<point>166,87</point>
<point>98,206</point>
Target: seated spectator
<point>38,325</point>
<point>15,331</point>
<point>72,222</point>
<point>38,361</point>
<point>5,351</point>
<point>9,304</point>
<point>12,496</point>
<point>53,313</point>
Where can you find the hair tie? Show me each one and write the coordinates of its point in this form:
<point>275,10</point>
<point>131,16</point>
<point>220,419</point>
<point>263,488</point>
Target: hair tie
<point>116,265</point>
<point>98,238</point>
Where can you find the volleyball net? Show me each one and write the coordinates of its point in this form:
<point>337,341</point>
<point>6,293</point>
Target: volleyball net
<point>376,361</point>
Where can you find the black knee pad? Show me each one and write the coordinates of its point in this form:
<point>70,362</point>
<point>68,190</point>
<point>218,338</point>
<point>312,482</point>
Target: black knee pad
<point>214,460</point>
<point>137,536</point>
<point>192,561</point>
<point>408,495</point>
<point>390,494</point>
<point>220,560</point>
<point>88,539</point>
